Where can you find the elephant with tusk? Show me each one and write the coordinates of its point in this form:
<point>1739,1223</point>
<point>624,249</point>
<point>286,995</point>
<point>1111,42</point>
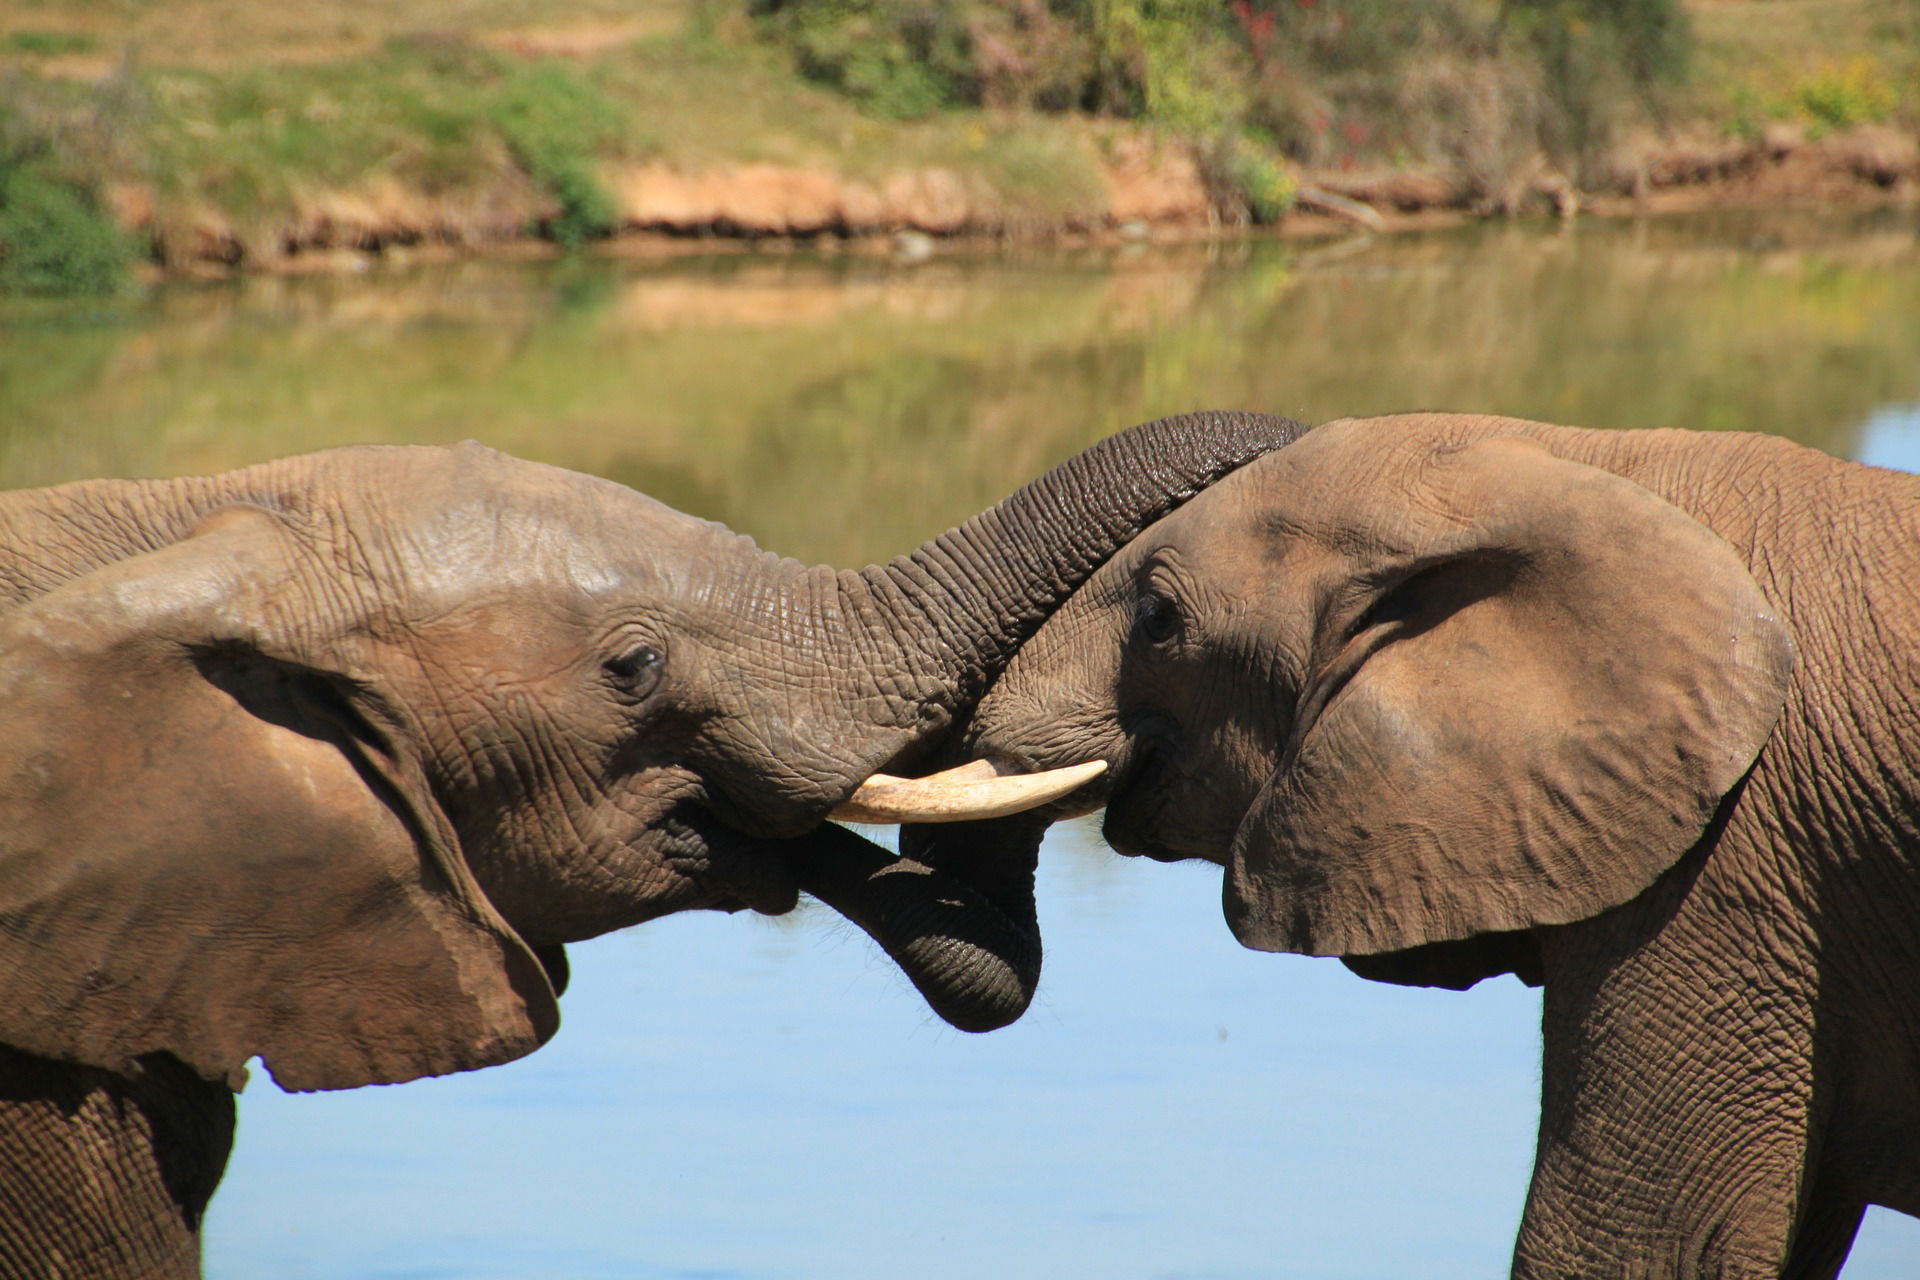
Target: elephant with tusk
<point>1633,715</point>
<point>324,761</point>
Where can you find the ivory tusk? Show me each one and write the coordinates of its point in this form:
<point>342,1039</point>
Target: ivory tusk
<point>973,790</point>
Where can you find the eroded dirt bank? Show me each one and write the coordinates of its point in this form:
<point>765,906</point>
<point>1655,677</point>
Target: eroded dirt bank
<point>1149,190</point>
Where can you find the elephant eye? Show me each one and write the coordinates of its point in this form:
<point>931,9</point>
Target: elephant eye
<point>637,670</point>
<point>1156,619</point>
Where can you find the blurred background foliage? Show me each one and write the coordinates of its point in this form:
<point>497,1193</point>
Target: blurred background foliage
<point>1463,82</point>
<point>226,130</point>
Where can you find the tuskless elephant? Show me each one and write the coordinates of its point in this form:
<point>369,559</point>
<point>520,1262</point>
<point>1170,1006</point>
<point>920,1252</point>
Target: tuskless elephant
<point>1632,715</point>
<point>323,762</point>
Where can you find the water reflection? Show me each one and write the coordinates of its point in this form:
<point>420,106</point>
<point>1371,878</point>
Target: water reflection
<point>768,1099</point>
<point>755,389</point>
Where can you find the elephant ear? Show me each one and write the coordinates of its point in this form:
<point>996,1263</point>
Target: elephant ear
<point>1533,684</point>
<point>216,842</point>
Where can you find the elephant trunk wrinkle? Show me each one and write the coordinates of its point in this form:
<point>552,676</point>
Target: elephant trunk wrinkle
<point>958,607</point>
<point>971,949</point>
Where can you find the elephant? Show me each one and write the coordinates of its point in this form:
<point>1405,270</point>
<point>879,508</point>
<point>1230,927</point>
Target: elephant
<point>1631,715</point>
<point>324,761</point>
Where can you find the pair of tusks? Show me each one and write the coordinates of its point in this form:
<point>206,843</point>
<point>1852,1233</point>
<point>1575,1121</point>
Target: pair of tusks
<point>974,790</point>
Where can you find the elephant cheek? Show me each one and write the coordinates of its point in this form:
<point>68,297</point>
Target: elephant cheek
<point>560,874</point>
<point>667,852</point>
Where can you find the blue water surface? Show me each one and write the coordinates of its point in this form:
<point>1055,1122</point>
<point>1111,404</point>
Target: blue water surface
<point>737,1098</point>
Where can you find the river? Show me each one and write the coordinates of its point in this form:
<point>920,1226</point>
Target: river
<point>737,1098</point>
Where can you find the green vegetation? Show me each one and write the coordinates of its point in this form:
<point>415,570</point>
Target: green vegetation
<point>1315,81</point>
<point>1845,93</point>
<point>556,123</point>
<point>56,148</point>
<point>47,44</point>
<point>231,131</point>
<point>439,117</point>
<point>58,242</point>
<point>1266,186</point>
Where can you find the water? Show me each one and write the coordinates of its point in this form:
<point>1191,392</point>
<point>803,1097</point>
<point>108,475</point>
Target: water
<point>768,1100</point>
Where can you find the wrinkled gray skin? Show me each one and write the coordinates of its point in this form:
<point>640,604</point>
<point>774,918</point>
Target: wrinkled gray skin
<point>1634,715</point>
<point>324,760</point>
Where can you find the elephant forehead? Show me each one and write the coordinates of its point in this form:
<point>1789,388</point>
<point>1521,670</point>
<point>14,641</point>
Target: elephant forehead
<point>1230,539</point>
<point>518,526</point>
<point>1368,486</point>
<point>489,543</point>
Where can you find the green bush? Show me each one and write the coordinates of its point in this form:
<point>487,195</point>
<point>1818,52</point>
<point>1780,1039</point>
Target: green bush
<point>1167,60</point>
<point>1840,95</point>
<point>555,121</point>
<point>1835,95</point>
<point>900,59</point>
<point>47,44</point>
<point>1264,184</point>
<point>54,240</point>
<point>60,143</point>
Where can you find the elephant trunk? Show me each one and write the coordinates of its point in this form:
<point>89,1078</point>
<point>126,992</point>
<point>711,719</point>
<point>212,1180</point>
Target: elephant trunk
<point>938,625</point>
<point>960,605</point>
<point>969,942</point>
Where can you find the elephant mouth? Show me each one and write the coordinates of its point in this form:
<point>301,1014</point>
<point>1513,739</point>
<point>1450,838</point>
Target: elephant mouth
<point>1138,798</point>
<point>955,912</point>
<point>962,927</point>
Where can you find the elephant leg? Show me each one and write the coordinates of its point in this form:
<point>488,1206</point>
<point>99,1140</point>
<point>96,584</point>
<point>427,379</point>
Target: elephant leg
<point>1665,1169</point>
<point>1680,1113</point>
<point>104,1175</point>
<point>1825,1236</point>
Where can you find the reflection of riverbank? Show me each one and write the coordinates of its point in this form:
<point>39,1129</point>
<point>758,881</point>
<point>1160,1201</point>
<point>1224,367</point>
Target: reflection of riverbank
<point>841,408</point>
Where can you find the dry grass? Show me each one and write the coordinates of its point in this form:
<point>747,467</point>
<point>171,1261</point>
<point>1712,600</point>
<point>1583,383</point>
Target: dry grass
<point>1755,51</point>
<point>225,34</point>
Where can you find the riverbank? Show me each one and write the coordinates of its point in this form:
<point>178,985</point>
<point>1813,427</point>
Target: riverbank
<point>1157,196</point>
<point>221,140</point>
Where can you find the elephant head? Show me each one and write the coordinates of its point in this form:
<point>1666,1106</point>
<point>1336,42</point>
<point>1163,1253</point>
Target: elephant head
<point>322,761</point>
<point>1421,685</point>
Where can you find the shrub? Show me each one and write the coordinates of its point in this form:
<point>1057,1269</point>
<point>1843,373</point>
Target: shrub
<point>55,240</point>
<point>1264,184</point>
<point>59,144</point>
<point>1841,94</point>
<point>554,120</point>
<point>1597,58</point>
<point>900,59</point>
<point>1165,60</point>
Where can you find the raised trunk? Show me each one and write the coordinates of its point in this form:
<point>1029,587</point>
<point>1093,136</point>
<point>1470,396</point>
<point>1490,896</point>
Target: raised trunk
<point>938,625</point>
<point>959,606</point>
